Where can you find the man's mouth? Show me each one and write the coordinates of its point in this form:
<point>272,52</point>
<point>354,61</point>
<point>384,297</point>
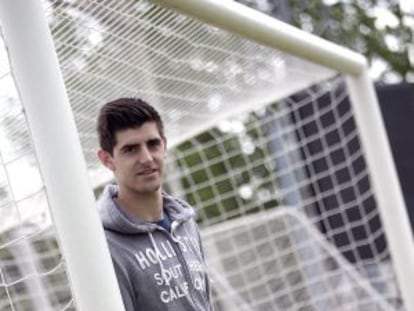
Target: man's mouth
<point>147,172</point>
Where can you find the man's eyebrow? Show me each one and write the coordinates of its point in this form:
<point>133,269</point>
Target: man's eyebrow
<point>134,145</point>
<point>154,140</point>
<point>127,146</point>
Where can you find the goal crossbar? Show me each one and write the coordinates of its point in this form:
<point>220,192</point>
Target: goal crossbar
<point>268,31</point>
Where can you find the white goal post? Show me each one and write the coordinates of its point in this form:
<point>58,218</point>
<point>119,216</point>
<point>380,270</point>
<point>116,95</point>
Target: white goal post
<point>50,91</point>
<point>41,88</point>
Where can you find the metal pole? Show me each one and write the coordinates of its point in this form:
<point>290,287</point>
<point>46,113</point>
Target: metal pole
<point>384,179</point>
<point>40,83</point>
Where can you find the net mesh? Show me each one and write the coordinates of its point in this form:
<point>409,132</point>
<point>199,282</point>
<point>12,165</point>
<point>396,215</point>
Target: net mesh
<point>290,218</point>
<point>263,144</point>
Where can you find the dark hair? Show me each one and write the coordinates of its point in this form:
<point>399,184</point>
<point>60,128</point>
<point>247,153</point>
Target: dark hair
<point>122,114</point>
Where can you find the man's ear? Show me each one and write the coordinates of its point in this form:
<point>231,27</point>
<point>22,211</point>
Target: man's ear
<point>106,159</point>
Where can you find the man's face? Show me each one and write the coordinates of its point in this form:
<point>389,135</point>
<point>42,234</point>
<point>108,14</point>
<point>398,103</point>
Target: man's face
<point>137,160</point>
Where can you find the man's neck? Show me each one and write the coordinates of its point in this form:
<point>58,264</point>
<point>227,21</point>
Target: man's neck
<point>144,206</point>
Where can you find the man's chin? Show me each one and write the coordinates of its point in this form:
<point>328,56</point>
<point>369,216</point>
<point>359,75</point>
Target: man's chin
<point>148,190</point>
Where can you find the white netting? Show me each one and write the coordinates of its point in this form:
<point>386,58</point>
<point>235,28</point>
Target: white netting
<point>270,160</point>
<point>289,216</point>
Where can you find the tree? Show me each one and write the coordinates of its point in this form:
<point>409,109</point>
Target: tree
<point>378,29</point>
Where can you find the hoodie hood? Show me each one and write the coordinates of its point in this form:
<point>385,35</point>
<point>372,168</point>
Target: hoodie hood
<point>115,219</point>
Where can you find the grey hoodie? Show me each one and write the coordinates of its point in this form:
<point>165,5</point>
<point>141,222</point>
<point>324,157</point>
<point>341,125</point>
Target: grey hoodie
<point>156,270</point>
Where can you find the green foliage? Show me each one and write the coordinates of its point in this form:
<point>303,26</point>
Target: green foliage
<point>358,25</point>
<point>355,25</point>
<point>216,168</point>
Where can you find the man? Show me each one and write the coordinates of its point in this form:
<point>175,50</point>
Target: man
<point>153,238</point>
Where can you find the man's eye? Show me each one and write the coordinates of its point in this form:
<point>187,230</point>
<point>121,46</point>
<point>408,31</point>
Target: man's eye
<point>129,149</point>
<point>154,144</point>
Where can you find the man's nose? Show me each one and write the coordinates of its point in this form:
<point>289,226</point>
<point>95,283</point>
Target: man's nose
<point>145,155</point>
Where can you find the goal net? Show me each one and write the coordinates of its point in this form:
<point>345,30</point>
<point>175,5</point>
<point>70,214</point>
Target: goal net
<point>262,143</point>
<point>290,218</point>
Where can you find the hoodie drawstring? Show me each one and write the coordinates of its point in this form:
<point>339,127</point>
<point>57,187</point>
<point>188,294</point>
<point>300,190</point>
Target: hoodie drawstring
<point>160,263</point>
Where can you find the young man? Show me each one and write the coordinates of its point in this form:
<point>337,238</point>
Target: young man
<point>153,238</point>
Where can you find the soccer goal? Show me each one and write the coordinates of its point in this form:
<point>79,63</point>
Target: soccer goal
<point>275,137</point>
